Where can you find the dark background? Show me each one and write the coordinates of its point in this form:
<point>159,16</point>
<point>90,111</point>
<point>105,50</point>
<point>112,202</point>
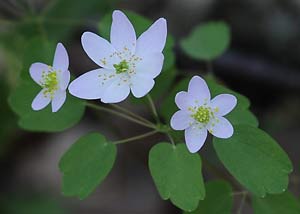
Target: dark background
<point>263,63</point>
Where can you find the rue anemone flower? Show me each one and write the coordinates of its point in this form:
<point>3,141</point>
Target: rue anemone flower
<point>127,63</point>
<point>199,114</point>
<point>54,80</point>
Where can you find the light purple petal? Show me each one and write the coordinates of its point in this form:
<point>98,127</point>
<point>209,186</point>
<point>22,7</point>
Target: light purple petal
<point>220,127</point>
<point>223,104</point>
<point>181,120</point>
<point>64,80</point>
<point>116,92</point>
<point>58,100</point>
<point>141,85</point>
<point>185,101</point>
<point>195,138</point>
<point>199,89</point>
<point>40,101</point>
<point>153,40</point>
<point>61,59</point>
<point>92,84</point>
<point>122,34</point>
<point>36,70</point>
<point>99,50</point>
<point>150,64</point>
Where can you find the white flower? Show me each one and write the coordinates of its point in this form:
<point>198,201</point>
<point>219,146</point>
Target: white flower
<point>53,79</point>
<point>127,63</point>
<point>198,114</point>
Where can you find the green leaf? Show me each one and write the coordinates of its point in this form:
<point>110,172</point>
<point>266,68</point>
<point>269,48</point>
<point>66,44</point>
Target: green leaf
<point>140,24</point>
<point>177,175</point>
<point>242,117</point>
<point>207,41</point>
<point>86,164</point>
<point>255,160</point>
<point>44,120</point>
<point>276,204</point>
<point>218,199</point>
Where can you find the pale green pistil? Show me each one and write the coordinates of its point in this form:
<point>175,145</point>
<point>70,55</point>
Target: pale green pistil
<point>202,115</point>
<point>121,67</point>
<point>50,83</point>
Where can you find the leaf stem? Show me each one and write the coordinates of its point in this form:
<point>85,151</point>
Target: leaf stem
<point>153,108</point>
<point>138,137</point>
<point>132,114</point>
<point>244,195</point>
<point>119,114</point>
<point>171,139</point>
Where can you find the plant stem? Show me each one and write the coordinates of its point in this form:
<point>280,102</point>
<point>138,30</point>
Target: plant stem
<point>132,114</point>
<point>119,114</point>
<point>138,137</point>
<point>153,108</point>
<point>244,195</point>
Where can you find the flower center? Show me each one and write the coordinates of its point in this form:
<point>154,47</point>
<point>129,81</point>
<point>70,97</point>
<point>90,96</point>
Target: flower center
<point>50,83</point>
<point>121,67</point>
<point>202,114</point>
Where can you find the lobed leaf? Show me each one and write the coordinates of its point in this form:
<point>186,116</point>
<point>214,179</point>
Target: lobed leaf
<point>207,41</point>
<point>218,199</point>
<point>86,164</point>
<point>255,160</point>
<point>177,175</point>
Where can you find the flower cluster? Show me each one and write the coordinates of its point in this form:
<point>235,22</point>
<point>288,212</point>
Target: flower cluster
<point>131,64</point>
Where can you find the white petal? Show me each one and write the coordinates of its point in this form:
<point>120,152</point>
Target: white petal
<point>199,89</point>
<point>99,50</point>
<point>64,80</point>
<point>181,120</point>
<point>92,84</point>
<point>141,85</point>
<point>116,92</point>
<point>195,138</point>
<point>36,70</point>
<point>220,127</point>
<point>40,101</point>
<point>154,39</point>
<point>150,64</point>
<point>122,34</point>
<point>223,104</point>
<point>61,59</point>
<point>58,100</point>
<point>185,101</point>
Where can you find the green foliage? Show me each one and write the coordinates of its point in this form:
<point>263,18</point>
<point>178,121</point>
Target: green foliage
<point>166,78</point>
<point>276,204</point>
<point>255,160</point>
<point>21,98</point>
<point>44,120</point>
<point>207,41</point>
<point>86,164</point>
<point>218,199</point>
<point>240,115</point>
<point>30,205</point>
<point>177,175</point>
<point>61,16</point>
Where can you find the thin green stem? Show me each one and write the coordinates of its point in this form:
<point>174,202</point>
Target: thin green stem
<point>119,114</point>
<point>244,195</point>
<point>171,139</point>
<point>153,108</point>
<point>138,137</point>
<point>132,114</point>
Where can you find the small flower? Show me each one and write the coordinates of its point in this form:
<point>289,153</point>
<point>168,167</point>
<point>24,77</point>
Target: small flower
<point>198,114</point>
<point>54,80</point>
<point>127,63</point>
